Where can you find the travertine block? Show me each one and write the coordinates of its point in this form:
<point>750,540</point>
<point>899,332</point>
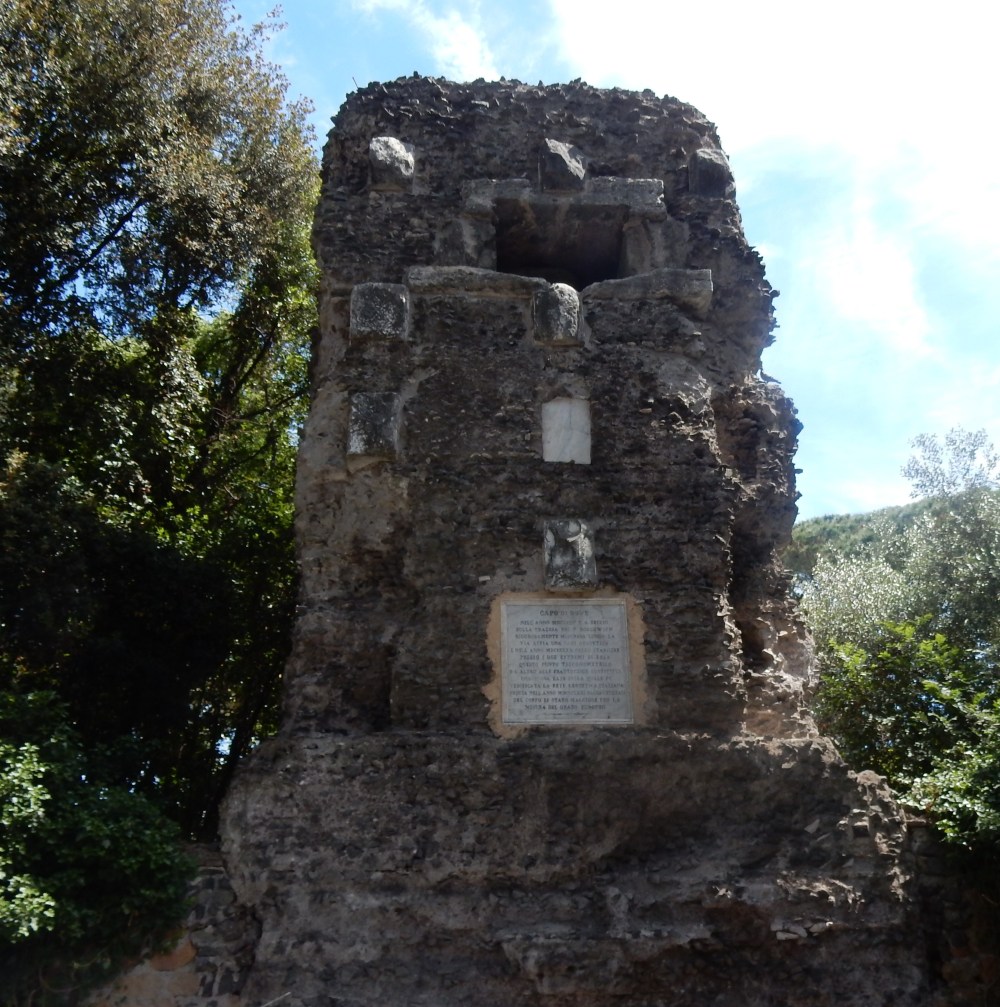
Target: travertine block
<point>709,174</point>
<point>561,166</point>
<point>373,425</point>
<point>690,289</point>
<point>391,163</point>
<point>556,315</point>
<point>379,310</point>
<point>637,193</point>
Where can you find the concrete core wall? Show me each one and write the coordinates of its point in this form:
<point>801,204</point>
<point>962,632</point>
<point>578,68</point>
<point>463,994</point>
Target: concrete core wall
<point>538,377</point>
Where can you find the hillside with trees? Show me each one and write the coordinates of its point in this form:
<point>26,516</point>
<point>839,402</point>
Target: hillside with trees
<point>156,312</point>
<point>844,534</point>
<point>904,606</point>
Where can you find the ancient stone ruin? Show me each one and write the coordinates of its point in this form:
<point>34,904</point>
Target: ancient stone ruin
<point>545,740</point>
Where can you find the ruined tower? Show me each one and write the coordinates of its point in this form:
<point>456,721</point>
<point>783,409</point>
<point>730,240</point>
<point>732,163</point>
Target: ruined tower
<point>544,738</point>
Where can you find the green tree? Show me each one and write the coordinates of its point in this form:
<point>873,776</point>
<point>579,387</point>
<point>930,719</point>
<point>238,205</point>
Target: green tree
<point>908,638</point>
<point>146,156</point>
<point>156,312</point>
<point>897,708</point>
<point>77,855</point>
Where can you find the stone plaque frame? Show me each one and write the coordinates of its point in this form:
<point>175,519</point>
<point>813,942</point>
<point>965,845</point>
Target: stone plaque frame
<point>565,662</point>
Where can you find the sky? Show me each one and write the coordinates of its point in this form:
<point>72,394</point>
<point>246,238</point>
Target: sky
<point>863,141</point>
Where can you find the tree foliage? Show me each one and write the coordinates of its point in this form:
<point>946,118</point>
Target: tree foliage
<point>156,310</point>
<point>897,706</point>
<point>843,535</point>
<point>77,856</point>
<point>908,632</point>
<point>146,154</point>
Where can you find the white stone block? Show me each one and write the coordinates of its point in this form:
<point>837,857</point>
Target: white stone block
<point>566,431</point>
<point>391,163</point>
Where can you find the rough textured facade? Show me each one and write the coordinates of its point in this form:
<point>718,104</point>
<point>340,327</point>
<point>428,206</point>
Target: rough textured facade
<point>538,376</point>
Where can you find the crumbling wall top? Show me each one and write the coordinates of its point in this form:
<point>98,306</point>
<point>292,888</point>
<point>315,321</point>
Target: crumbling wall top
<point>568,182</point>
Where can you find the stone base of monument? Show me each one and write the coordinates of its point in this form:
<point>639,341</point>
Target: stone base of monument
<point>581,867</point>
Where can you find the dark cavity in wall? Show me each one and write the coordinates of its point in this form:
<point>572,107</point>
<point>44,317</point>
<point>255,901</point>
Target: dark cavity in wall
<point>558,241</point>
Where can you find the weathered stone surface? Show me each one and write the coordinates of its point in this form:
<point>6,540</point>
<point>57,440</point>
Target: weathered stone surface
<point>710,174</point>
<point>637,193</point>
<point>555,311</point>
<point>391,163</point>
<point>569,554</point>
<point>379,310</point>
<point>467,279</point>
<point>561,166</point>
<point>689,289</point>
<point>397,845</point>
<point>373,426</point>
<point>207,964</point>
<point>501,872</point>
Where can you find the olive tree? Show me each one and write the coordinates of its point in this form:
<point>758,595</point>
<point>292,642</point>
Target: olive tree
<point>908,637</point>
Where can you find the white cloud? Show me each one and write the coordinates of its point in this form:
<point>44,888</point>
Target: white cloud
<point>878,72</point>
<point>866,277</point>
<point>460,48</point>
<point>905,95</point>
<point>964,395</point>
<point>861,139</point>
<point>862,131</point>
<point>457,41</point>
<point>871,494</point>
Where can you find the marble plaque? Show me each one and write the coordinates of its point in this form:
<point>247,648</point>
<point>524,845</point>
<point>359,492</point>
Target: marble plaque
<point>566,431</point>
<point>565,661</point>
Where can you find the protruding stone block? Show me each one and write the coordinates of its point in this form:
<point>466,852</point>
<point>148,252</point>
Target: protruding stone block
<point>690,289</point>
<point>561,166</point>
<point>423,280</point>
<point>373,425</point>
<point>556,314</point>
<point>379,310</point>
<point>709,174</point>
<point>635,193</point>
<point>391,162</point>
<point>569,554</point>
<point>566,431</point>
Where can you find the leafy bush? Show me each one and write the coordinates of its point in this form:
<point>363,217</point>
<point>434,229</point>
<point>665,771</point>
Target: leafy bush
<point>908,637</point>
<point>90,873</point>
